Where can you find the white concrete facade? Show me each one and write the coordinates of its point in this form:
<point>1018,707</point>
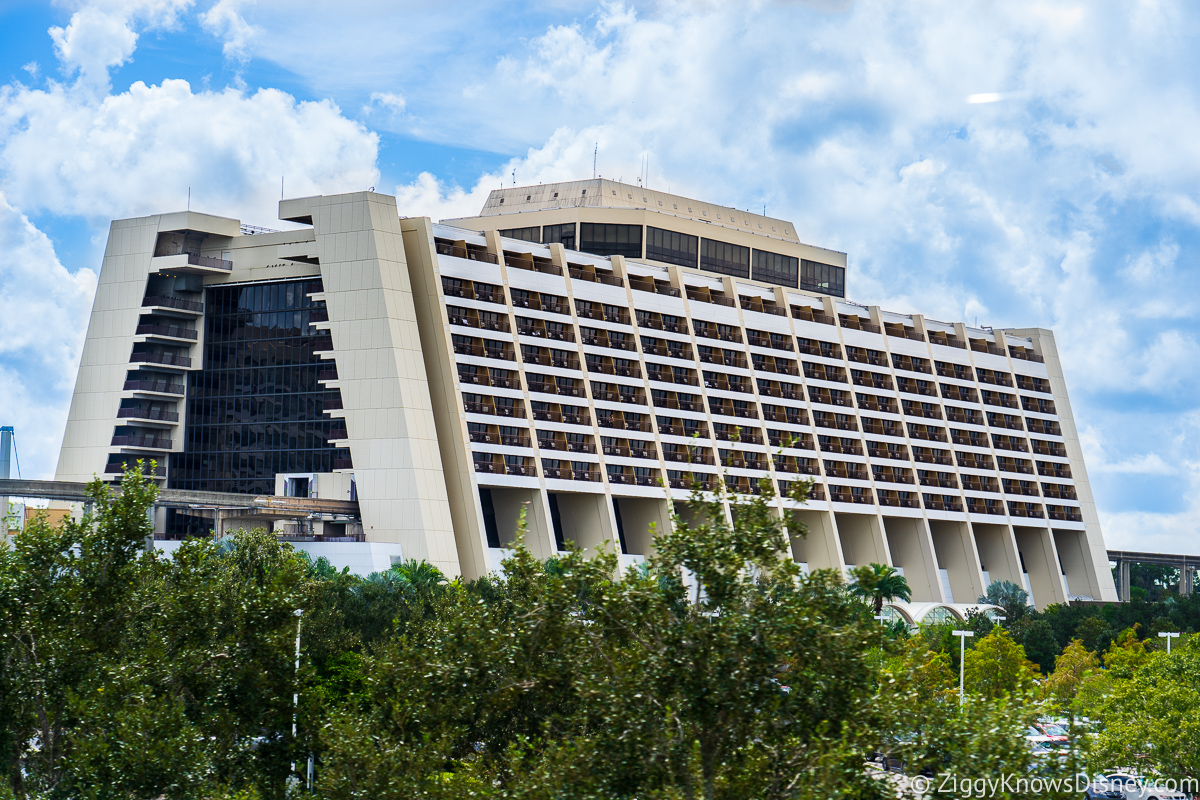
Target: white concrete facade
<point>583,392</point>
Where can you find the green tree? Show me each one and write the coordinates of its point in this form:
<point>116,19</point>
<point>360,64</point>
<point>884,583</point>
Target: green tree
<point>1150,713</point>
<point>132,674</point>
<point>996,667</point>
<point>1009,596</point>
<point>1071,669</point>
<point>564,678</point>
<point>1035,634</point>
<point>879,583</point>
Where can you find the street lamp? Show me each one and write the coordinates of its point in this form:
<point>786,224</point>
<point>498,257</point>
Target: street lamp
<point>962,663</point>
<point>299,612</point>
<point>1168,637</point>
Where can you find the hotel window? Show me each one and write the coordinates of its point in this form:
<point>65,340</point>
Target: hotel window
<point>524,234</point>
<point>727,259</point>
<point>775,268</point>
<point>563,234</point>
<point>611,240</point>
<point>671,247</point>
<point>823,278</point>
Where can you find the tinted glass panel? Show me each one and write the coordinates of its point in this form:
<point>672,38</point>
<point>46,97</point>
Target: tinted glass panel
<point>671,247</point>
<point>524,234</point>
<point>823,278</point>
<point>563,234</point>
<point>256,408</point>
<point>727,259</point>
<point>776,268</point>
<point>611,240</point>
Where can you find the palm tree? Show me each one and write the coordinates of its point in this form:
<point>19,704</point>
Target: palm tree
<point>879,583</point>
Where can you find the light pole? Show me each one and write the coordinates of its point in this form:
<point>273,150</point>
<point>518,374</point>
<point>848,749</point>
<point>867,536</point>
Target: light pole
<point>1168,637</point>
<point>962,663</point>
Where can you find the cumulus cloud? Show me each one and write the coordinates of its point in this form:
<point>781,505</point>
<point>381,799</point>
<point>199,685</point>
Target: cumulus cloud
<point>225,20</point>
<point>139,151</point>
<point>101,35</point>
<point>43,318</point>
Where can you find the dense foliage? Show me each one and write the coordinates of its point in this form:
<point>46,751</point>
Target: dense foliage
<point>713,670</point>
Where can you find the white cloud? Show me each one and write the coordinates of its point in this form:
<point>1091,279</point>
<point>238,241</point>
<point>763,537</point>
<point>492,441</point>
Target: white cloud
<point>139,151</point>
<point>389,100</point>
<point>43,317</point>
<point>101,35</point>
<point>225,20</point>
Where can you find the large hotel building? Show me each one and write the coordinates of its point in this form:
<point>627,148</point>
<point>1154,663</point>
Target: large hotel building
<point>580,351</point>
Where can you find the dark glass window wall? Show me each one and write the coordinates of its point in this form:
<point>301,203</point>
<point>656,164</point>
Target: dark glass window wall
<point>775,268</point>
<point>611,240</point>
<point>563,234</point>
<point>671,247</point>
<point>255,408</point>
<point>727,259</point>
<point>524,234</point>
<point>823,278</point>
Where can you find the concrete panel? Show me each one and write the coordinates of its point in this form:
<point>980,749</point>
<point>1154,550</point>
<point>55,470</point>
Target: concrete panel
<point>586,521</point>
<point>1036,547</point>
<point>642,519</point>
<point>819,547</point>
<point>911,548</point>
<point>1075,558</point>
<point>955,549</point>
<point>861,537</point>
<point>509,503</point>
<point>997,552</point>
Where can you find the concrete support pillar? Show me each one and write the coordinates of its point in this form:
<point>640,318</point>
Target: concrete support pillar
<point>1123,579</point>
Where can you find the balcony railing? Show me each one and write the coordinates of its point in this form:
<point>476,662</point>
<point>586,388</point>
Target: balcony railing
<point>145,442</point>
<point>165,330</point>
<point>472,254</point>
<point>148,413</point>
<point>166,359</point>
<point>159,387</point>
<point>162,301</point>
<point>210,262</point>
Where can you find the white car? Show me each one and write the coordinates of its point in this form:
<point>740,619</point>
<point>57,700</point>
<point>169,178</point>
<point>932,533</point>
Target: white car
<point>1134,787</point>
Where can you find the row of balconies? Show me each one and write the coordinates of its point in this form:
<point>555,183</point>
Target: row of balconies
<point>456,287</point>
<point>490,348</point>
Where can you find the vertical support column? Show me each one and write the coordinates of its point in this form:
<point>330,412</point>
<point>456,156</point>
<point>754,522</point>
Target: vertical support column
<point>1123,573</point>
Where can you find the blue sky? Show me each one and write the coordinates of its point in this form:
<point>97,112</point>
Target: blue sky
<point>1023,164</point>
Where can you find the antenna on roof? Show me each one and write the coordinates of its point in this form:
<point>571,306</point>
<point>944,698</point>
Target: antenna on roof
<point>595,151</point>
<point>189,208</point>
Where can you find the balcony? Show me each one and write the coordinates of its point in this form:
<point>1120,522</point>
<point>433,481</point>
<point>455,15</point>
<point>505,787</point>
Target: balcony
<point>166,332</point>
<point>812,315</point>
<point>155,414</point>
<point>897,502</point>
<point>1030,510</point>
<point>469,253</point>
<point>154,387</point>
<point>942,483</point>
<point>934,503</point>
<point>164,359</point>
<point>142,442</point>
<point>1065,513</point>
<point>190,264</point>
<point>174,303</point>
<point>582,274</point>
